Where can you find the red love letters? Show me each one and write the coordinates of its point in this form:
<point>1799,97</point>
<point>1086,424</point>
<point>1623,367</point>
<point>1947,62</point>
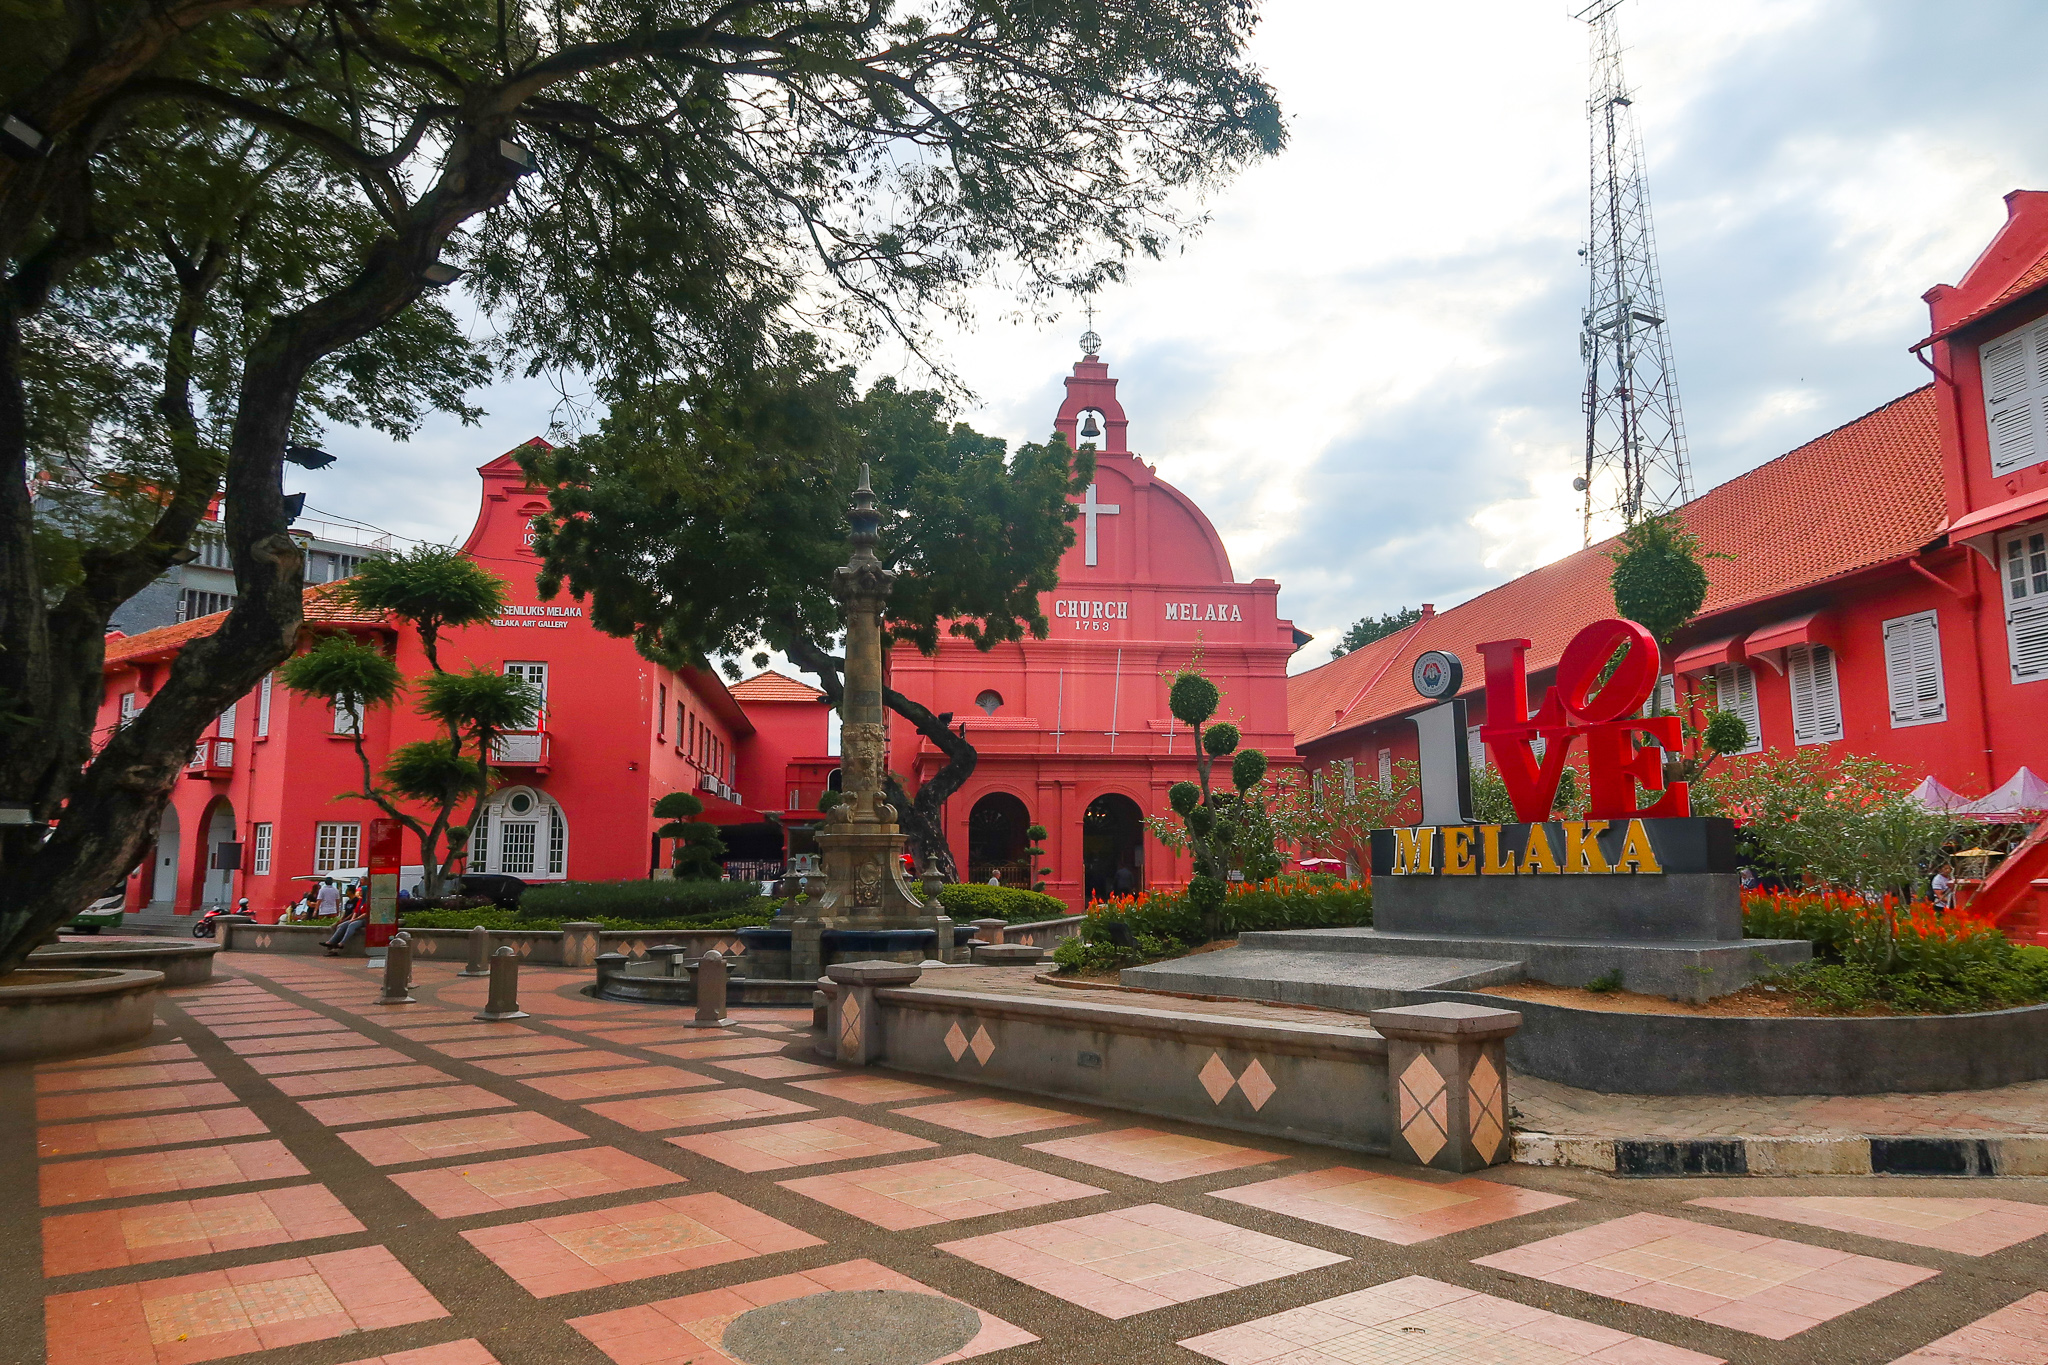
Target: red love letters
<point>1581,703</point>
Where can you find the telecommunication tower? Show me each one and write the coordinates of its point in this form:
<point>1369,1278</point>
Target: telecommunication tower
<point>1635,435</point>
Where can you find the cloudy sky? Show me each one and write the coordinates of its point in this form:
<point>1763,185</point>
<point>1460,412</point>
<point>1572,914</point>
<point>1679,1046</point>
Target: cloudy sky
<point>1367,368</point>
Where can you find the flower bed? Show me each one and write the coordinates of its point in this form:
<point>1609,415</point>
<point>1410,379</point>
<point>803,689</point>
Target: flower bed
<point>1126,930</point>
<point>1885,956</point>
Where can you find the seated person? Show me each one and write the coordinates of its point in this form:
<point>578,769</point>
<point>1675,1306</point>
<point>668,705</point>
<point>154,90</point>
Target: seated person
<point>358,919</point>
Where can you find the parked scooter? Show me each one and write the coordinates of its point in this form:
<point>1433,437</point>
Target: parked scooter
<point>204,926</point>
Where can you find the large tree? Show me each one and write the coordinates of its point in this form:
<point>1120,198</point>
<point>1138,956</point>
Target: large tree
<point>705,519</point>
<point>250,200</point>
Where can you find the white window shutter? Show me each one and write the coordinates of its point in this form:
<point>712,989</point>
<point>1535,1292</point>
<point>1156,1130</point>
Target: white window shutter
<point>263,707</point>
<point>1816,698</point>
<point>1475,748</point>
<point>1735,690</point>
<point>225,727</point>
<point>2015,377</point>
<point>2027,636</point>
<point>1912,670</point>
<point>1386,770</point>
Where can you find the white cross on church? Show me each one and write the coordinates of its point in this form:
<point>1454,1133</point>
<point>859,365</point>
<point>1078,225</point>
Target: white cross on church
<point>1091,509</point>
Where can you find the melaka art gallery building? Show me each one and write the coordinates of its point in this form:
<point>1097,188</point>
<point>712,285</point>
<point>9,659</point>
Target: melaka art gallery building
<point>1073,731</point>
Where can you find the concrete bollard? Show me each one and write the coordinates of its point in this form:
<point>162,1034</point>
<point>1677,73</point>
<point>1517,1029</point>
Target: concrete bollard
<point>990,930</point>
<point>504,1000</point>
<point>1447,1071</point>
<point>708,976</point>
<point>479,953</point>
<point>397,972</point>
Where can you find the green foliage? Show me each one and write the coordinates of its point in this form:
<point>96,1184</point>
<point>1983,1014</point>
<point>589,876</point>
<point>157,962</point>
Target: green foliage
<point>1726,732</point>
<point>1366,629</point>
<point>1658,579</point>
<point>1078,956</point>
<point>1247,770</point>
<point>698,846</point>
<point>1192,698</point>
<point>669,901</point>
<point>1605,982</point>
<point>478,703</point>
<point>432,588</point>
<point>345,670</point>
<point>1884,956</point>
<point>1174,922</point>
<point>966,901</point>
<point>679,806</point>
<point>827,800</point>
<point>434,772</point>
<point>1184,797</point>
<point>1037,833</point>
<point>1034,856</point>
<point>1492,806</point>
<point>1220,739</point>
<point>490,917</point>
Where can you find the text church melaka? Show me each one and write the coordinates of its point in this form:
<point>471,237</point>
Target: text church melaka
<point>1073,731</point>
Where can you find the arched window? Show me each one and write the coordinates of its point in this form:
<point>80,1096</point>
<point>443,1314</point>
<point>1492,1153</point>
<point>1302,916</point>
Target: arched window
<point>521,833</point>
<point>990,701</point>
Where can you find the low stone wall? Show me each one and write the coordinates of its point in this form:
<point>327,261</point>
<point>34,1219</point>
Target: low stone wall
<point>182,964</point>
<point>1044,933</point>
<point>98,1008</point>
<point>575,946</point>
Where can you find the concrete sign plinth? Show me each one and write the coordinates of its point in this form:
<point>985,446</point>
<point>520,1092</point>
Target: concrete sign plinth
<point>1447,1066</point>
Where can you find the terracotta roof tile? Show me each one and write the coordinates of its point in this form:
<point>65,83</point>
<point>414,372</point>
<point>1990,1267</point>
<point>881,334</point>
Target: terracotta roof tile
<point>772,686</point>
<point>322,607</point>
<point>1863,494</point>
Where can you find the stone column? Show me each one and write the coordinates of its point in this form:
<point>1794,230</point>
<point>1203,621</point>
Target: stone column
<point>990,930</point>
<point>854,1031</point>
<point>579,944</point>
<point>479,953</point>
<point>1447,1078</point>
<point>707,988</point>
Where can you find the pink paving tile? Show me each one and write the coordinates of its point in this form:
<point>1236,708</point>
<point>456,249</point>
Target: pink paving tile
<point>778,1146</point>
<point>59,1082</point>
<point>2014,1335</point>
<point>699,1109</point>
<point>642,1032</point>
<point>223,1313</point>
<point>93,1104</point>
<point>412,1015</point>
<point>468,1351</point>
<point>503,1047</point>
<point>157,1130</point>
<point>159,1052</point>
<point>1152,1155</point>
<point>690,1330</point>
<point>522,1181</point>
<point>77,1242</point>
<point>632,1242</point>
<point>546,1063</point>
<point>716,1047</point>
<point>373,1078</point>
<point>1762,1285</point>
<point>302,1062</point>
<point>471,1032</point>
<point>920,1193</point>
<point>301,1042</point>
<point>1419,1321</point>
<point>992,1118</point>
<point>1392,1208</point>
<point>1134,1260</point>
<point>632,1080</point>
<point>1972,1227</point>
<point>772,1068</point>
<point>866,1089</point>
<point>189,1168</point>
<point>456,1137</point>
<point>385,1105</point>
<point>278,1028</point>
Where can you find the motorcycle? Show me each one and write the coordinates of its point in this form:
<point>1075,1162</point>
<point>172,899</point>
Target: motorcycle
<point>204,926</point>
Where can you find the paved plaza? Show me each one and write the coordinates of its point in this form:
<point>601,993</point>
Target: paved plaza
<point>287,1172</point>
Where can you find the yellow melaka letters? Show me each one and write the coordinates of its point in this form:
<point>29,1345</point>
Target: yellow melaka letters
<point>1415,851</point>
<point>1458,852</point>
<point>1491,861</point>
<point>1636,853</point>
<point>1540,856</point>
<point>1581,847</point>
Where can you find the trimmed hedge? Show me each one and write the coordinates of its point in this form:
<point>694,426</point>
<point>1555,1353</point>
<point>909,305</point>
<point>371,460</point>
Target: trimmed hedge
<point>966,901</point>
<point>1165,924</point>
<point>641,902</point>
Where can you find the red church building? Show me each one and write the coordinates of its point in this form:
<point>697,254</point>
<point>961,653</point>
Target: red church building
<point>1884,589</point>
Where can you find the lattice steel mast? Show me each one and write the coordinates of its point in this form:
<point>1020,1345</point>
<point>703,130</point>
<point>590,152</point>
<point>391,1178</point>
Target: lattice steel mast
<point>1635,435</point>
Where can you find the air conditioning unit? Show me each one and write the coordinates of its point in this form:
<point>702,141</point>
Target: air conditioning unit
<point>709,783</point>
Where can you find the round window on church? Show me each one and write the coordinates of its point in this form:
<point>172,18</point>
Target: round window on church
<point>990,701</point>
<point>520,803</point>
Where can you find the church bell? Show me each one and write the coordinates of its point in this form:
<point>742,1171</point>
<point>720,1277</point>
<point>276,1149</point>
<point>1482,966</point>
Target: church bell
<point>1090,431</point>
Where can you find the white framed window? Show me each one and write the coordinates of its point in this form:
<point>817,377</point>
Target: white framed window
<point>225,726</point>
<point>516,839</point>
<point>1816,697</point>
<point>536,676</point>
<point>1912,670</point>
<point>1387,770</point>
<point>522,832</point>
<point>2015,368</point>
<point>129,706</point>
<point>1663,697</point>
<point>2026,603</point>
<point>259,853</point>
<point>1475,749</point>
<point>661,710</point>
<point>558,840</point>
<point>336,845</point>
<point>1735,691</point>
<point>348,720</point>
<point>263,707</point>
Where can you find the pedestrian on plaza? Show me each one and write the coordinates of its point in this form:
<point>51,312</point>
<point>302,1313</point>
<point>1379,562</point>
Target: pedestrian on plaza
<point>995,878</point>
<point>1944,888</point>
<point>326,898</point>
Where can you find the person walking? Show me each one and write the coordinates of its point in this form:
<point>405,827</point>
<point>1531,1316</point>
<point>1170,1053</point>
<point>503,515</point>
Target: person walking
<point>326,898</point>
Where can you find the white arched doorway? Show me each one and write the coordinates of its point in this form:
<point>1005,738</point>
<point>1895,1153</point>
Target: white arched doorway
<point>163,884</point>
<point>219,885</point>
<point>522,833</point>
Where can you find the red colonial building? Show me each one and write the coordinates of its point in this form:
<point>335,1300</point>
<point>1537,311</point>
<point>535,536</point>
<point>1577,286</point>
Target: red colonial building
<point>1881,590</point>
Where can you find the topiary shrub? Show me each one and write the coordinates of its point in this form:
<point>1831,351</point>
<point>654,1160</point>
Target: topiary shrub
<point>698,847</point>
<point>966,901</point>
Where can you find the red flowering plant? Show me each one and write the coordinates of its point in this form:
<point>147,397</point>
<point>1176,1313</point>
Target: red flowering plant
<point>1903,955</point>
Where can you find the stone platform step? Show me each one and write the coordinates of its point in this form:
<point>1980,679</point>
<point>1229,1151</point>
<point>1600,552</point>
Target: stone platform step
<point>1335,980</point>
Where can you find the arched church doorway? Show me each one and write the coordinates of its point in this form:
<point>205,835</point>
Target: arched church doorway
<point>163,885</point>
<point>1113,847</point>
<point>996,840</point>
<point>217,885</point>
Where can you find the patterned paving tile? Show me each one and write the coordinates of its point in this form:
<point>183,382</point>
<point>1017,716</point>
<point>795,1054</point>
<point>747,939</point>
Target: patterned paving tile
<point>717,1047</point>
<point>158,1052</point>
<point>305,1042</point>
<point>1419,1321</point>
<point>190,1168</point>
<point>301,1062</point>
<point>521,1181</point>
<point>1134,1260</point>
<point>224,1313</point>
<point>699,1109</point>
<point>1972,1227</point>
<point>643,1032</point>
<point>754,1027</point>
<point>2011,1336</point>
<point>93,1104</point>
<point>772,1068</point>
<point>276,1009</point>
<point>992,1118</point>
<point>689,1330</point>
<point>632,1242</point>
<point>414,1015</point>
<point>1391,1208</point>
<point>468,1351</point>
<point>456,1137</point>
<point>778,1146</point>
<point>503,1047</point>
<point>1152,1155</point>
<point>157,1130</point>
<point>385,1105</point>
<point>1762,1285</point>
<point>77,1242</point>
<point>920,1193</point>
<point>867,1089</point>
<point>59,1082</point>
<point>451,1033</point>
<point>545,1063</point>
<point>631,1080</point>
<point>373,1078</point>
<point>278,1028</point>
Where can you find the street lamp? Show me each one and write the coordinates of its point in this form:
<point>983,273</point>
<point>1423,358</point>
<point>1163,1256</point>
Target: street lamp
<point>21,141</point>
<point>308,457</point>
<point>440,274</point>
